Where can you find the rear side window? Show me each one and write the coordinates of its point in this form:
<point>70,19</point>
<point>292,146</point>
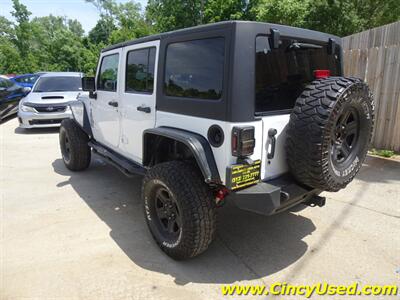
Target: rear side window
<point>194,69</point>
<point>283,73</point>
<point>140,70</point>
<point>108,75</point>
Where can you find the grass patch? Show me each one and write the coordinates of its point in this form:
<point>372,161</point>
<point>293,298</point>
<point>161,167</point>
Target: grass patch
<point>382,152</point>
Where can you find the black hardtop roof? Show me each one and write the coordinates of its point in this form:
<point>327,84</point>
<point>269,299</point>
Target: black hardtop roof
<point>286,30</point>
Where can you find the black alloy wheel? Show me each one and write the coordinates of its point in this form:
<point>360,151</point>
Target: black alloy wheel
<point>345,138</point>
<point>329,132</point>
<point>179,208</point>
<point>66,147</point>
<point>167,214</point>
<point>75,150</point>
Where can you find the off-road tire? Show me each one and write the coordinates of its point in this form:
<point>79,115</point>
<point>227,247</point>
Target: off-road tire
<point>312,136</point>
<point>195,204</point>
<point>74,147</point>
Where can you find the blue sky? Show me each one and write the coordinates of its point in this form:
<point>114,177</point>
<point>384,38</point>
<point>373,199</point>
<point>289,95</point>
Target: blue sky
<point>84,12</point>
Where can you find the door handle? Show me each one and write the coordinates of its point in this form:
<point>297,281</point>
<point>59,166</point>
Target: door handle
<point>113,103</point>
<point>271,134</point>
<point>144,109</point>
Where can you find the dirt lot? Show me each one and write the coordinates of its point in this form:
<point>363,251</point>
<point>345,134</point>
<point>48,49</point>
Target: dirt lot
<point>83,235</point>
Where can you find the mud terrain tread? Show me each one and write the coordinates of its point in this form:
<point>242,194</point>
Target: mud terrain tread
<point>80,154</point>
<point>196,201</point>
<point>308,137</point>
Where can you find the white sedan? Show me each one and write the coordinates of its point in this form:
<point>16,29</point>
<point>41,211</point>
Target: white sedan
<point>47,104</point>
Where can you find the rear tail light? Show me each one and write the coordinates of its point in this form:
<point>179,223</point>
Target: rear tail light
<point>318,74</point>
<point>243,141</point>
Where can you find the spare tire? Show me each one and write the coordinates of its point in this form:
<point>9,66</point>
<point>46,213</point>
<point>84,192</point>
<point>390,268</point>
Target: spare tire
<point>329,132</point>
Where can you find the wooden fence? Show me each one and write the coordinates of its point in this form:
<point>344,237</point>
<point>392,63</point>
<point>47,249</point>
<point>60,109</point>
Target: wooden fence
<point>374,55</point>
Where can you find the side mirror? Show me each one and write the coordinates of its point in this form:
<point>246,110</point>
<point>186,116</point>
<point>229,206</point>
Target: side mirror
<point>88,84</point>
<point>26,90</point>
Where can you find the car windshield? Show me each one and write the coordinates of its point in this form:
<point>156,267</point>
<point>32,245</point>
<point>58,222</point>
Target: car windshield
<point>58,84</point>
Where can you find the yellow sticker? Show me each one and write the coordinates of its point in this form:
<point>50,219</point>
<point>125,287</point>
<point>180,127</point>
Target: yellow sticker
<point>245,175</point>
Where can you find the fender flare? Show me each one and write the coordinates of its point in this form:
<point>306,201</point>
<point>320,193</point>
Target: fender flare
<point>195,142</point>
<point>80,116</point>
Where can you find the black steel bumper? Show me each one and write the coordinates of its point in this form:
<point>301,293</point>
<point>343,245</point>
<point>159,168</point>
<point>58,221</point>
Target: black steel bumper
<point>268,198</point>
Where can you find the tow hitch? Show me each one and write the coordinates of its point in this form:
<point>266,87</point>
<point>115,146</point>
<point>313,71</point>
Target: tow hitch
<point>315,201</point>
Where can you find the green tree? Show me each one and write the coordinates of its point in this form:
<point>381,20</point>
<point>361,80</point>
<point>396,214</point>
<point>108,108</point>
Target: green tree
<point>119,22</point>
<point>166,15</point>
<point>131,23</point>
<point>75,27</point>
<point>224,10</point>
<point>345,17</point>
<point>102,31</point>
<point>340,17</point>
<point>10,59</point>
<point>288,12</point>
<point>44,44</point>
<point>23,36</point>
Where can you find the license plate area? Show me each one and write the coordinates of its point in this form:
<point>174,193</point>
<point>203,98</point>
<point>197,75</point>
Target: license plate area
<point>243,175</point>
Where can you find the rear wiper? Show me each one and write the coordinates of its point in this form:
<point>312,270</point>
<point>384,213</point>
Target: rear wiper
<point>300,46</point>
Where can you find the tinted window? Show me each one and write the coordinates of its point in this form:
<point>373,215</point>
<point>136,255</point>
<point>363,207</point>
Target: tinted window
<point>140,70</point>
<point>31,79</point>
<point>195,69</point>
<point>58,84</point>
<point>283,73</point>
<point>5,83</point>
<point>27,79</point>
<point>107,80</point>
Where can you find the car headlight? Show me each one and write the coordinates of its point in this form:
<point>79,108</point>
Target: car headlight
<point>26,108</point>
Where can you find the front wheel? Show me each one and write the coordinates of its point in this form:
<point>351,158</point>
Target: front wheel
<point>179,209</point>
<point>74,146</point>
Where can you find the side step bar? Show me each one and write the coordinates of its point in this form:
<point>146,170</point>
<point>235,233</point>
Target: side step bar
<point>129,168</point>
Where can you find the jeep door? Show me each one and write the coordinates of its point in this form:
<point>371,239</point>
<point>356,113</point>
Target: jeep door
<point>104,108</point>
<point>138,96</point>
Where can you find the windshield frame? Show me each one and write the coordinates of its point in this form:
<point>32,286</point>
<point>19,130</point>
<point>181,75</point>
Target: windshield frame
<point>41,78</point>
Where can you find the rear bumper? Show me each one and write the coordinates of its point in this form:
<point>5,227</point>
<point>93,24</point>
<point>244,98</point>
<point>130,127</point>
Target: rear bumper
<point>273,196</point>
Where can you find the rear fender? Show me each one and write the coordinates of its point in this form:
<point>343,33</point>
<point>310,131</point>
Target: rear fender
<point>196,143</point>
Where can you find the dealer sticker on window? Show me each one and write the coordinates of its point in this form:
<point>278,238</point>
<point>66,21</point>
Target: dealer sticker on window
<point>243,175</point>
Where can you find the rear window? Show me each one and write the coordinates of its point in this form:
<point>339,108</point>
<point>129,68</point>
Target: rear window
<point>194,69</point>
<point>58,84</point>
<point>283,73</point>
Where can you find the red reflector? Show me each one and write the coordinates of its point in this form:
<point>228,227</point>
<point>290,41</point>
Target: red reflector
<point>234,143</point>
<point>322,73</point>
